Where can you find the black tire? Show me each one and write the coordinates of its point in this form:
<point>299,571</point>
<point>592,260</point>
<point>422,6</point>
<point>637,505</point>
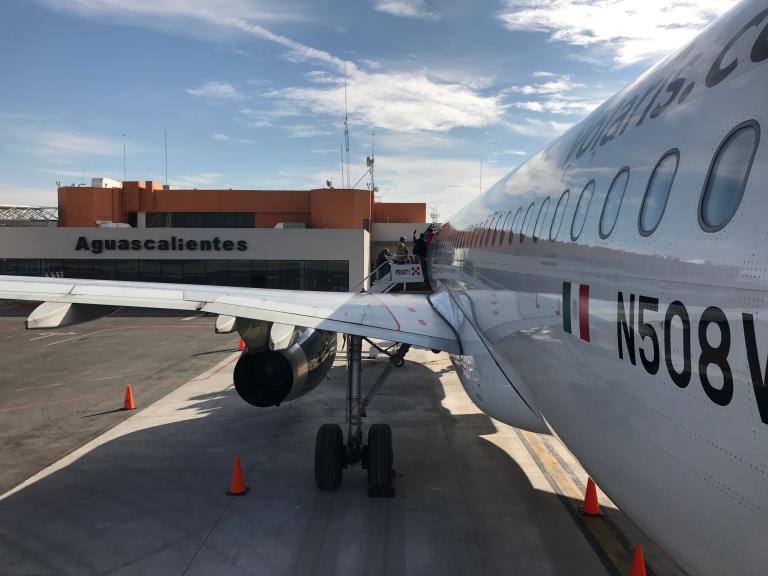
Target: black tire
<point>329,456</point>
<point>380,459</point>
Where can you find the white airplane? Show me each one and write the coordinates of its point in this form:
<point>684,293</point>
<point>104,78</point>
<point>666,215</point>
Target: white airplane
<point>613,291</point>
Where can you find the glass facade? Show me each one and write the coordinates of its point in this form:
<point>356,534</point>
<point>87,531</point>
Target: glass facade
<point>323,275</point>
<point>201,220</point>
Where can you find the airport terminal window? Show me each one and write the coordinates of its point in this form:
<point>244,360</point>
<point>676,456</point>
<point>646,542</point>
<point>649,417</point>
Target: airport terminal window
<point>327,275</point>
<point>513,227</point>
<point>557,219</point>
<point>582,207</point>
<point>201,220</point>
<point>526,222</point>
<point>727,177</point>
<point>540,219</point>
<point>612,203</point>
<point>657,193</point>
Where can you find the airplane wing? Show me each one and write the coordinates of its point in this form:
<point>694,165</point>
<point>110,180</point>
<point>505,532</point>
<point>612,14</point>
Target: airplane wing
<point>405,318</point>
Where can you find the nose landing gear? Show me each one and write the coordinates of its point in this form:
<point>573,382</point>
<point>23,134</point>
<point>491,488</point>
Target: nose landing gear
<point>332,455</point>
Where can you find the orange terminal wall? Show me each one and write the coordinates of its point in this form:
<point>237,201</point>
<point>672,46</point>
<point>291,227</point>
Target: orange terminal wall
<point>81,206</point>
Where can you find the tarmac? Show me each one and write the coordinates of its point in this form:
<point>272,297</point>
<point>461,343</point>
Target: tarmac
<point>143,492</point>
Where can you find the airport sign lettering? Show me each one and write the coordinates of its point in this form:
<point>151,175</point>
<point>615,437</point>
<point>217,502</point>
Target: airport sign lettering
<point>173,244</point>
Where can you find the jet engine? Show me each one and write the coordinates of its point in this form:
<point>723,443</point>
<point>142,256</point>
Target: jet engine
<point>268,377</point>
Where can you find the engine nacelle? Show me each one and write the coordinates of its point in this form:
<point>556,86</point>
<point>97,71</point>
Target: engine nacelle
<point>270,377</point>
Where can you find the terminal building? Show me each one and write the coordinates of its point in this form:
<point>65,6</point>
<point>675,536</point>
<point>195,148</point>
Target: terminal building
<point>320,239</point>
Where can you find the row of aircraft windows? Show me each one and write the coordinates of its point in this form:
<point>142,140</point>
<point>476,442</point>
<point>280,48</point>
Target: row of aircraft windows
<point>726,180</point>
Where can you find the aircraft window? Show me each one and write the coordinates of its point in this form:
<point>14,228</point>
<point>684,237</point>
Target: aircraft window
<point>557,219</point>
<point>728,176</point>
<point>580,216</point>
<point>526,222</point>
<point>513,226</point>
<point>613,202</point>
<point>657,193</point>
<point>540,219</point>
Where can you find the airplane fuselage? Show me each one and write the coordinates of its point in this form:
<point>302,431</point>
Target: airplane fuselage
<point>634,324</point>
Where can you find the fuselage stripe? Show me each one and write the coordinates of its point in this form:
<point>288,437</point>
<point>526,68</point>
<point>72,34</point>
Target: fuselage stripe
<point>567,307</point>
<point>584,312</point>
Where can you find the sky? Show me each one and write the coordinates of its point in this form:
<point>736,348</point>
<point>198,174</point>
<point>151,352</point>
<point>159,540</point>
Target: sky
<point>251,93</point>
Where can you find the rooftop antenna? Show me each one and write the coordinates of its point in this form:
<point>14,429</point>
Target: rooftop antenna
<point>370,161</point>
<point>165,141</point>
<point>346,121</point>
<point>124,157</point>
<point>341,152</point>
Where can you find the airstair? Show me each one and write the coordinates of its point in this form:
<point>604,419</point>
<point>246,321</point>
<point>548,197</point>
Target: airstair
<point>390,276</point>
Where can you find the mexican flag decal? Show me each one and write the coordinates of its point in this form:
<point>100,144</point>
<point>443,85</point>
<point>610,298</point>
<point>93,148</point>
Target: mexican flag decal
<point>576,305</point>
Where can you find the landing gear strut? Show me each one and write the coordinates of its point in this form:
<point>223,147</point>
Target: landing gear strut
<point>332,455</point>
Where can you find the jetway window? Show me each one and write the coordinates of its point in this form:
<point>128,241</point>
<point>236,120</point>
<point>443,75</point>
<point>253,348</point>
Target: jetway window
<point>527,221</point>
<point>727,177</point>
<point>582,208</point>
<point>540,219</point>
<point>657,193</point>
<point>613,203</point>
<point>557,219</point>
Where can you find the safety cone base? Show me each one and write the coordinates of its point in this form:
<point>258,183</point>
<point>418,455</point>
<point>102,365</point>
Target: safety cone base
<point>598,515</point>
<point>243,493</point>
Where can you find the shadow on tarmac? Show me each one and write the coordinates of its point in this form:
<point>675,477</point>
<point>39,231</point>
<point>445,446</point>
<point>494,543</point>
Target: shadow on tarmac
<point>152,501</point>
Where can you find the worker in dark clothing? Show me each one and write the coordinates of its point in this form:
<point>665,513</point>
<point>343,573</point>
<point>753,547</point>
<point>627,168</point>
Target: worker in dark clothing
<point>429,235</point>
<point>420,250</point>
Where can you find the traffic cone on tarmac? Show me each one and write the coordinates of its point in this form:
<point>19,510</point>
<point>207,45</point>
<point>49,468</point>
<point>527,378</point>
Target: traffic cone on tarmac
<point>128,403</point>
<point>638,563</point>
<point>591,506</point>
<point>237,485</point>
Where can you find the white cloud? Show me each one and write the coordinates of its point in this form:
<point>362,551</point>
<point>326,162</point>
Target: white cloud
<point>407,9</point>
<point>539,128</point>
<point>556,85</point>
<point>558,94</point>
<point>567,105</point>
<point>221,137</point>
<point>216,91</point>
<point>399,101</point>
<point>305,131</point>
<point>630,30</point>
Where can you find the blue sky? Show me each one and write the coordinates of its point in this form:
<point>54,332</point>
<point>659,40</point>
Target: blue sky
<point>251,92</point>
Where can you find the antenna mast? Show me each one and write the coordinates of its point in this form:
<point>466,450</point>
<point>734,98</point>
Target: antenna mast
<point>346,122</point>
<point>165,139</point>
<point>373,160</point>
<point>123,156</point>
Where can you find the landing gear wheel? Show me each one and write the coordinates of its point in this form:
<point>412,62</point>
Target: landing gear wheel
<point>329,456</point>
<point>380,471</point>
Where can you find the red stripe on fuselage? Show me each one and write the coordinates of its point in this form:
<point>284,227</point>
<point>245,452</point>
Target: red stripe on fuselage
<point>584,312</point>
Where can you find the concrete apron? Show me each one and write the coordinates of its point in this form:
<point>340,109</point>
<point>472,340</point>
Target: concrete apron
<point>473,495</point>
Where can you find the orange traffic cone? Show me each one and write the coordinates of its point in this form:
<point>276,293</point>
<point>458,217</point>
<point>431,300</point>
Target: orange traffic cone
<point>128,403</point>
<point>242,345</point>
<point>237,484</point>
<point>591,507</point>
<point>638,563</point>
